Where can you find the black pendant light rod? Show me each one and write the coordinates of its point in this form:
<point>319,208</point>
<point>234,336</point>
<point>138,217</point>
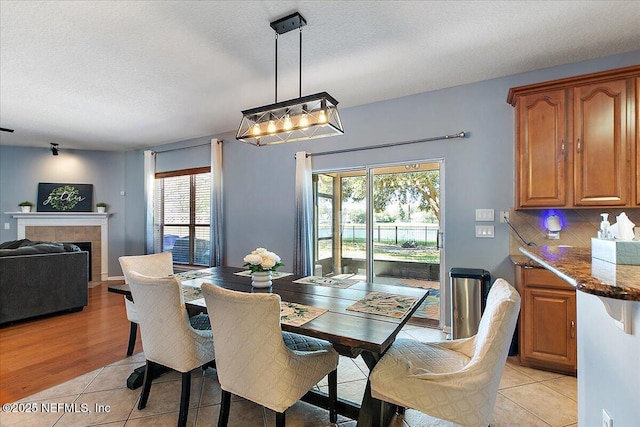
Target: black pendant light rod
<point>276,91</point>
<point>284,25</point>
<point>300,79</point>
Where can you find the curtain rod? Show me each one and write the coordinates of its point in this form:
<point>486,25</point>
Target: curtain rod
<point>219,141</point>
<point>391,144</point>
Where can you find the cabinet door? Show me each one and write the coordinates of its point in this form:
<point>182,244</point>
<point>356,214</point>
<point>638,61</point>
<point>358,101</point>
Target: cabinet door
<point>601,168</point>
<point>635,130</point>
<point>541,149</point>
<point>549,322</point>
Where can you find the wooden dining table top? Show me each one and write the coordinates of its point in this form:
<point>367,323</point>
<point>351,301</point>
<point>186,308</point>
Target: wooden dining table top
<point>350,332</point>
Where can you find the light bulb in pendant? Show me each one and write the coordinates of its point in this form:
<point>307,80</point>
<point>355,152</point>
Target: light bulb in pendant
<point>256,129</point>
<point>323,117</point>
<point>304,121</point>
<point>271,128</point>
<point>287,122</point>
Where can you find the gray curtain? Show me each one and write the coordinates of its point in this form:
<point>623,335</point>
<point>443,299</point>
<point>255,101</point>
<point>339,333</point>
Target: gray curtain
<point>149,184</point>
<point>303,245</point>
<point>216,228</point>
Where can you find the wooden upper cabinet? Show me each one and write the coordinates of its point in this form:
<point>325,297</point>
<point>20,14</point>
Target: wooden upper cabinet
<point>601,167</point>
<point>541,151</point>
<point>577,142</point>
<point>635,132</point>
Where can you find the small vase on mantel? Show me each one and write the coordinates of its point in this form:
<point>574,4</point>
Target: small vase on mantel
<point>261,279</point>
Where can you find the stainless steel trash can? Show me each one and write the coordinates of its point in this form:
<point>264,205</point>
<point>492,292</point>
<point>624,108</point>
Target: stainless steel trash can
<point>469,289</point>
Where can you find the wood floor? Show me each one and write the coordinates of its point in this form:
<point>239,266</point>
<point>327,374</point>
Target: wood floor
<point>38,354</point>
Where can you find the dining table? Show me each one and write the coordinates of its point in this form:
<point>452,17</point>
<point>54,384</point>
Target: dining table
<point>353,315</point>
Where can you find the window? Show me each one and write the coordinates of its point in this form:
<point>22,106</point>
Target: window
<point>182,212</point>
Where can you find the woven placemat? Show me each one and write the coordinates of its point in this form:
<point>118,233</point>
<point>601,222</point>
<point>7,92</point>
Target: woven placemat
<point>294,314</point>
<point>384,304</point>
<point>327,281</point>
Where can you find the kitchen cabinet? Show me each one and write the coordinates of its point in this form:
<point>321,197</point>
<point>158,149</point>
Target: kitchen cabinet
<point>575,139</point>
<point>547,322</point>
<point>541,149</point>
<point>636,133</point>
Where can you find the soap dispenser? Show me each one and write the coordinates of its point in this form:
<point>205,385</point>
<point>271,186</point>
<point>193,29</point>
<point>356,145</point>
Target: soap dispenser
<point>603,233</point>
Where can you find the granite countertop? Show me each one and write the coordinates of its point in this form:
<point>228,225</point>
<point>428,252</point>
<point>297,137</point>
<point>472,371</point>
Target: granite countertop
<point>524,261</point>
<point>576,267</point>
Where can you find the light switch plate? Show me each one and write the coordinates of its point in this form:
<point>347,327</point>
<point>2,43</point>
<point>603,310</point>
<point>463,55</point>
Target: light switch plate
<point>484,214</point>
<point>484,231</point>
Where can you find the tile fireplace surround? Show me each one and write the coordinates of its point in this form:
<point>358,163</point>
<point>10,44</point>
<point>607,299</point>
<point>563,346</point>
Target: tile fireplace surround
<point>70,227</point>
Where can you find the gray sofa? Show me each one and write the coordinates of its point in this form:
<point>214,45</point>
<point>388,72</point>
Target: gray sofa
<point>38,278</point>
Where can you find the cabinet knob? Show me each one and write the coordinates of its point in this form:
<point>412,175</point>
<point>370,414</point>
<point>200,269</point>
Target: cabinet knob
<point>579,145</point>
<point>562,147</point>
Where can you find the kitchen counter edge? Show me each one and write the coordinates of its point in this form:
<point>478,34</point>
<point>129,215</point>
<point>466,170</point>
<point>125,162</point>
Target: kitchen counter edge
<point>574,265</point>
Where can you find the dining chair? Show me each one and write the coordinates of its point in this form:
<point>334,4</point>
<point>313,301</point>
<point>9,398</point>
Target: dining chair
<point>168,338</point>
<point>453,380</point>
<point>154,265</point>
<point>255,362</point>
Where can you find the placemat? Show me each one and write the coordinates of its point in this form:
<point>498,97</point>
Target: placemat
<point>189,275</point>
<point>274,275</point>
<point>294,314</point>
<point>327,281</point>
<point>390,305</point>
<point>191,293</point>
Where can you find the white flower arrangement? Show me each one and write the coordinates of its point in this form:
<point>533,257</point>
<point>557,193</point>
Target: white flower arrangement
<point>262,260</point>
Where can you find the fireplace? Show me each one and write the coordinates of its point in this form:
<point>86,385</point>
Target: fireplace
<point>86,247</point>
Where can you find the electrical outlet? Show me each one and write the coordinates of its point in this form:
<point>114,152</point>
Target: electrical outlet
<point>7,226</point>
<point>607,421</point>
<point>484,214</point>
<point>503,215</point>
<point>484,231</point>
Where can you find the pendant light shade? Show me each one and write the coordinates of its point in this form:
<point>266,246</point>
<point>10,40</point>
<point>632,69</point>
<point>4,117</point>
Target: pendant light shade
<point>309,117</point>
<point>306,117</point>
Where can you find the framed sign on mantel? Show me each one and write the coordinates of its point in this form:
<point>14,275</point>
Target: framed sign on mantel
<point>64,197</point>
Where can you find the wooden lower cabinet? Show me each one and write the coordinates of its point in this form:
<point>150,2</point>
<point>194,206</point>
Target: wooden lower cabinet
<point>547,323</point>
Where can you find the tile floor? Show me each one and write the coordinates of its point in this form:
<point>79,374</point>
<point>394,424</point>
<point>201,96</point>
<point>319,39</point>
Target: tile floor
<point>527,397</point>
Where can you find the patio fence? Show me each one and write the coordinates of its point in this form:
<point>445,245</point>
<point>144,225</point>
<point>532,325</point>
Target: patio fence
<point>421,234</point>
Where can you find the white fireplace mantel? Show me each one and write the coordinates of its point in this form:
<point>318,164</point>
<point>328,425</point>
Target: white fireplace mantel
<point>68,219</point>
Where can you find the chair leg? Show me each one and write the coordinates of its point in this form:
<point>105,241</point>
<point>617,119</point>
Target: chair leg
<point>146,385</point>
<point>279,419</point>
<point>184,399</point>
<point>333,395</point>
<point>133,332</point>
<point>223,418</point>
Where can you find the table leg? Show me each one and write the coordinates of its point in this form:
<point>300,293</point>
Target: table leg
<point>373,412</point>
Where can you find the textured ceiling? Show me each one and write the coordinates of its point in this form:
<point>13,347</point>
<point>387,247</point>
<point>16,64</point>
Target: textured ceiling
<point>120,75</point>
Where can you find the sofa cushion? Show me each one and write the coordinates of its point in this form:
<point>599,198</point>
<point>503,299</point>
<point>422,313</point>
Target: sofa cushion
<point>28,247</point>
<point>13,244</point>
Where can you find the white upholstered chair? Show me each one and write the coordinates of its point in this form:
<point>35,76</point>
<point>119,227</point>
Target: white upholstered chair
<point>452,380</point>
<point>154,265</point>
<point>168,338</point>
<point>253,360</point>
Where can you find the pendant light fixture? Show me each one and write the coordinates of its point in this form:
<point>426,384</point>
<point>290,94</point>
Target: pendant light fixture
<point>305,117</point>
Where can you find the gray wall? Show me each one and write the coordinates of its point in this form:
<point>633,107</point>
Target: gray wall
<point>259,182</point>
<point>21,169</point>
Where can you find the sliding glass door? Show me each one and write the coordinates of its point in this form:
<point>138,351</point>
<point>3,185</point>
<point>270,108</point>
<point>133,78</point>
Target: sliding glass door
<point>381,224</point>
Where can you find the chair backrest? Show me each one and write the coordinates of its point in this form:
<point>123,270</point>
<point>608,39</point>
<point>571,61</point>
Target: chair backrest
<point>153,265</point>
<point>167,336</point>
<point>250,353</point>
<point>495,331</point>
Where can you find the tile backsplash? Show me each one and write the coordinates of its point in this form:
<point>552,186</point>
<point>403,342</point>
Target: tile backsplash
<point>578,226</point>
